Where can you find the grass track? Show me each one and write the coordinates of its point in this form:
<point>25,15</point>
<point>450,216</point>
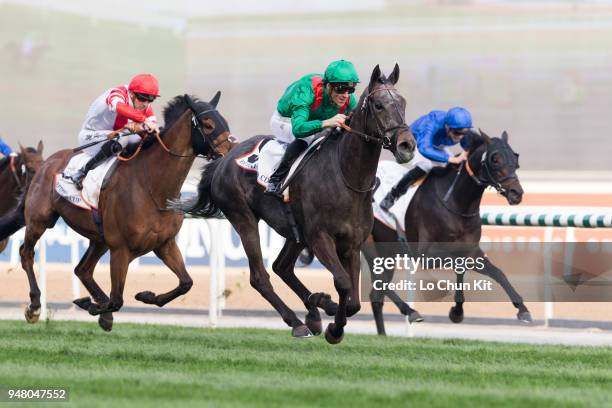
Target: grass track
<point>160,365</point>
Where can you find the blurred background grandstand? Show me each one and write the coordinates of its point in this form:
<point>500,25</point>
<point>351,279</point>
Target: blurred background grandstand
<point>542,70</point>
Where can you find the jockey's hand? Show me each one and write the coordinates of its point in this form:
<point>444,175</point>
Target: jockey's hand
<point>458,159</point>
<point>334,121</point>
<point>150,125</point>
<point>135,127</point>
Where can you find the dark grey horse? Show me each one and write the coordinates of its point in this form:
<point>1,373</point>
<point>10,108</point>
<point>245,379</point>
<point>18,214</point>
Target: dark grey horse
<point>430,219</point>
<point>330,198</point>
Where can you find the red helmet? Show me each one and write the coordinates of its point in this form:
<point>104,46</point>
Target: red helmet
<point>144,84</point>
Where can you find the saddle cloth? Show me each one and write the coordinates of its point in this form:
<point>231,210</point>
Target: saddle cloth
<point>87,198</point>
<point>389,173</point>
<point>266,156</point>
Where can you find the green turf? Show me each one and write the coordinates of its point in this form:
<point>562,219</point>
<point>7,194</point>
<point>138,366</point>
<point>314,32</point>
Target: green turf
<point>166,366</point>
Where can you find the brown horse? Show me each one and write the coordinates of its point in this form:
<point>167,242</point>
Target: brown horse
<point>132,214</point>
<point>15,175</point>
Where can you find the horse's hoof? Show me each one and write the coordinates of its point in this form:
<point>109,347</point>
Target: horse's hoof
<point>455,315</point>
<point>524,317</point>
<point>95,309</point>
<point>330,337</point>
<point>83,302</point>
<point>105,321</point>
<point>301,331</point>
<point>147,297</point>
<point>315,326</point>
<point>415,316</point>
<point>32,316</point>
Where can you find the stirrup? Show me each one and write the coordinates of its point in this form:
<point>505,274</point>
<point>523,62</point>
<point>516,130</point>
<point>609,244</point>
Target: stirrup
<point>388,201</point>
<point>274,189</point>
<point>77,179</point>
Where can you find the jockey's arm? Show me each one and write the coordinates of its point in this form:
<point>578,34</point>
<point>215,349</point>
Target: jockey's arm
<point>301,126</point>
<point>5,149</point>
<point>426,148</point>
<point>127,111</point>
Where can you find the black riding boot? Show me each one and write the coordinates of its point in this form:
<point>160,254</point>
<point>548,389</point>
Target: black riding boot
<point>107,150</point>
<point>401,187</point>
<point>291,154</point>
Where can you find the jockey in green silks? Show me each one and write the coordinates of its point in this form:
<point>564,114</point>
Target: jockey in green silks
<point>308,106</point>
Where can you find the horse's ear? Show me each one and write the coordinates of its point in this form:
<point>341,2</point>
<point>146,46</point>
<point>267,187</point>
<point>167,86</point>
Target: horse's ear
<point>485,137</point>
<point>505,136</point>
<point>375,76</point>
<point>215,100</point>
<point>40,146</point>
<point>23,150</point>
<point>394,77</point>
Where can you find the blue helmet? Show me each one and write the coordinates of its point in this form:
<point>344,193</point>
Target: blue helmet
<point>458,118</point>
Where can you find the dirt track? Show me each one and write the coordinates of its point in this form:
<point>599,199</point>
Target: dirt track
<point>13,287</point>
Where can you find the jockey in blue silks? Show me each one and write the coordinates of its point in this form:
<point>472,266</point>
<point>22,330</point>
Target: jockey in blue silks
<point>434,133</point>
<point>5,149</point>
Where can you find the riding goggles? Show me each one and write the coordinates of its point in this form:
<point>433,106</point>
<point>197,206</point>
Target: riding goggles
<point>342,88</point>
<point>144,97</point>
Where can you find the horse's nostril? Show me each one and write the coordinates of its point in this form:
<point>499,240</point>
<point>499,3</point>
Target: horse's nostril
<point>405,146</point>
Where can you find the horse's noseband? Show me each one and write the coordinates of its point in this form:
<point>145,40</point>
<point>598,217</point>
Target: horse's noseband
<point>207,137</point>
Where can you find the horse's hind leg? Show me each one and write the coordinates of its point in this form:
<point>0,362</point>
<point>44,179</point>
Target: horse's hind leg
<point>284,267</point>
<point>170,254</point>
<point>260,280</point>
<point>34,231</point>
<point>456,312</point>
<point>496,274</point>
<point>3,244</point>
<point>84,271</point>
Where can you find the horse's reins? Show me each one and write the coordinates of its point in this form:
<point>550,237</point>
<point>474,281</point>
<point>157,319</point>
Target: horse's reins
<point>476,177</point>
<point>385,141</point>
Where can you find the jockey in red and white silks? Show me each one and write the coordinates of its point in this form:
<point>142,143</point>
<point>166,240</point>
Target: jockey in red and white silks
<point>126,106</point>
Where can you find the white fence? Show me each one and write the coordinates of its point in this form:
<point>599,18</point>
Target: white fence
<point>214,242</point>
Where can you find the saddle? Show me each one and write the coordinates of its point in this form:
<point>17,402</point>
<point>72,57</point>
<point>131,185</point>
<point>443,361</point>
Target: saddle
<point>93,184</point>
<point>266,156</point>
<point>389,173</point>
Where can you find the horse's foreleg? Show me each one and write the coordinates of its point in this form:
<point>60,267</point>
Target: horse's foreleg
<point>33,233</point>
<point>260,280</point>
<point>325,249</point>
<point>3,244</point>
<point>496,274</point>
<point>119,261</point>
<point>170,254</point>
<point>84,271</point>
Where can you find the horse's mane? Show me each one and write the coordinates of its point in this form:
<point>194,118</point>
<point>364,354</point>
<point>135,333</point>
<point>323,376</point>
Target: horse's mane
<point>177,106</point>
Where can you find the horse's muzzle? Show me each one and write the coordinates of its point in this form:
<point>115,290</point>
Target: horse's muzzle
<point>514,195</point>
<point>404,150</point>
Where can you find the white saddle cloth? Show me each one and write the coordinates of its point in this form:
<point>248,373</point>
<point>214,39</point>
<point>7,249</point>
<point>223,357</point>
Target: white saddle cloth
<point>389,173</point>
<point>87,198</point>
<point>265,160</point>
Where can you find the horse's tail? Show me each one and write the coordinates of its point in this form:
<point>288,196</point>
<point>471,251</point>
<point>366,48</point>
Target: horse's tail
<point>201,205</point>
<point>13,220</point>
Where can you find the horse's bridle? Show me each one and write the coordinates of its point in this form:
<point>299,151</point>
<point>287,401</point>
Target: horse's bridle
<point>488,179</point>
<point>381,130</point>
<point>20,168</point>
<point>210,137</point>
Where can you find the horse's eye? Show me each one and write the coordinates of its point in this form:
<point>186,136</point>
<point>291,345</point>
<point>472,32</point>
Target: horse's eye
<point>378,106</point>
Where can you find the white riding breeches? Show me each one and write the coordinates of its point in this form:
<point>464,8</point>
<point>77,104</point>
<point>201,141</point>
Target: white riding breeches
<point>101,135</point>
<point>426,164</point>
<point>282,131</point>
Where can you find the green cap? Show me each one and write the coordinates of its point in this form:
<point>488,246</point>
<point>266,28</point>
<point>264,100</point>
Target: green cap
<point>341,71</point>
